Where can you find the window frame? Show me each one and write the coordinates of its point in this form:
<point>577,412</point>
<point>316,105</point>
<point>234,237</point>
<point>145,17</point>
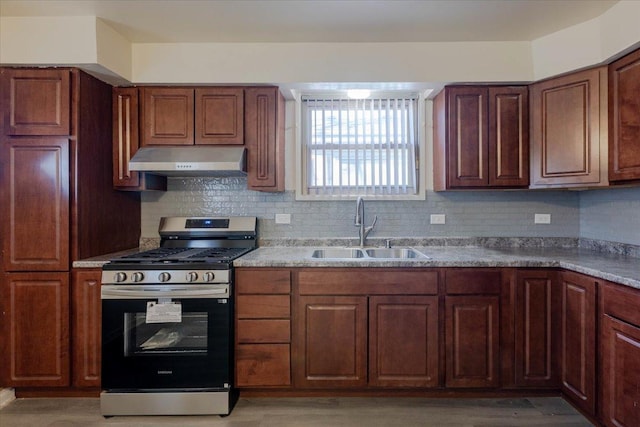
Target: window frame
<point>301,192</point>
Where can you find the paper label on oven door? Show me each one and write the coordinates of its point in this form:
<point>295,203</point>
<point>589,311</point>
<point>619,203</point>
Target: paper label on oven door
<point>168,312</point>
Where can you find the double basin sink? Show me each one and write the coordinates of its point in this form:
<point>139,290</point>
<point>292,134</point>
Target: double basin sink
<point>371,253</point>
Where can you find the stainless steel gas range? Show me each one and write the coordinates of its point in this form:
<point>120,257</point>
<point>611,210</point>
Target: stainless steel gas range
<point>167,320</point>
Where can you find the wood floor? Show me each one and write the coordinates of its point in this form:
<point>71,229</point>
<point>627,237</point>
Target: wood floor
<point>313,412</point>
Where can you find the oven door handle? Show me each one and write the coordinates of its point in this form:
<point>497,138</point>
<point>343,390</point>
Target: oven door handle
<point>140,292</point>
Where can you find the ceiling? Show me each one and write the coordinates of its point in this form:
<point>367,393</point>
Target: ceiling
<point>198,21</point>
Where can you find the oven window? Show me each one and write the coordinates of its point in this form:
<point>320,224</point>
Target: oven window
<point>187,337</point>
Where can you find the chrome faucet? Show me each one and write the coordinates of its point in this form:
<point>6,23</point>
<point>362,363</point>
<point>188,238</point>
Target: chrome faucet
<point>363,231</point>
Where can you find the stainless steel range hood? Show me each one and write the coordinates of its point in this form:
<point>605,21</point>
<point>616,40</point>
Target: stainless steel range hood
<point>192,160</point>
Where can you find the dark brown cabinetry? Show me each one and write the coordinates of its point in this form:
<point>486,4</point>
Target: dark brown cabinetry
<point>86,325</point>
<point>578,340</point>
<point>472,324</point>
<point>403,341</point>
<point>264,138</point>
<point>35,324</point>
<point>569,130</point>
<point>36,103</point>
<point>187,116</point>
<point>263,328</point>
<point>620,348</point>
<point>537,310</point>
<point>481,137</point>
<point>361,328</point>
<point>126,141</point>
<point>624,118</point>
<point>58,205</point>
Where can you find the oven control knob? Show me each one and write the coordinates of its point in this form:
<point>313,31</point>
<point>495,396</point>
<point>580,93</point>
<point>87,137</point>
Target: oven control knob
<point>164,277</point>
<point>121,277</point>
<point>137,276</point>
<point>192,276</point>
<point>209,276</point>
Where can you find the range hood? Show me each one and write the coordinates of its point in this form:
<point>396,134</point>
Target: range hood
<point>192,160</point>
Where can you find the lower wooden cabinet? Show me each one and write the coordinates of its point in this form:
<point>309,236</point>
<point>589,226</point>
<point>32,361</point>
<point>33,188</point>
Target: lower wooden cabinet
<point>620,348</point>
<point>403,341</point>
<point>36,329</point>
<point>331,337</point>
<point>537,309</point>
<point>578,339</point>
<point>472,327</point>
<point>263,328</point>
<point>86,327</point>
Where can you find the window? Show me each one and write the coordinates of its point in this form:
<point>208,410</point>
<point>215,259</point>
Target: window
<point>359,146</point>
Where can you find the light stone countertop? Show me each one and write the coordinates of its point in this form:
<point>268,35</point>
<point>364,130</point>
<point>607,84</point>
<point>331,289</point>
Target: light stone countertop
<point>616,268</point>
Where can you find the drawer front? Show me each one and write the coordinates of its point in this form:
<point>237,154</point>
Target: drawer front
<point>263,306</point>
<point>263,365</point>
<point>263,331</point>
<point>263,281</point>
<point>621,302</point>
<point>473,282</point>
<point>359,281</point>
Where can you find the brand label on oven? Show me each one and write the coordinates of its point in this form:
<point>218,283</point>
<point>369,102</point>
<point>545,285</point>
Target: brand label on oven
<point>164,312</point>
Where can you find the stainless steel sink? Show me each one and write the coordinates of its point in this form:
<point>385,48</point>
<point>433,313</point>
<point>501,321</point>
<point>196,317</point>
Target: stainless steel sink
<point>376,253</point>
<point>395,253</point>
<point>338,253</point>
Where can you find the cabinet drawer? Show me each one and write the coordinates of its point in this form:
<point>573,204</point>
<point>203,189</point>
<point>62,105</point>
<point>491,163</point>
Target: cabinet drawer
<point>259,365</point>
<point>263,306</point>
<point>621,302</point>
<point>472,281</point>
<point>359,281</point>
<point>263,331</point>
<point>263,281</point>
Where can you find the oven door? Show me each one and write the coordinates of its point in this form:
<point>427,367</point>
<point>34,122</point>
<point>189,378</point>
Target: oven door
<point>166,337</point>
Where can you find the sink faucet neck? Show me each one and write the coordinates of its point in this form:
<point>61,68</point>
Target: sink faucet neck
<point>363,231</point>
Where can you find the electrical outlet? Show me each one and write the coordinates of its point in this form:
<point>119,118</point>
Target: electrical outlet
<point>283,218</point>
<point>437,219</point>
<point>542,219</point>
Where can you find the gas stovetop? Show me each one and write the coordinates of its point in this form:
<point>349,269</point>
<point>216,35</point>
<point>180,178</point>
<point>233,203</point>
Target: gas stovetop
<point>183,255</point>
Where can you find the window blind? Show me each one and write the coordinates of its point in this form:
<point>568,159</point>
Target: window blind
<point>360,146</point>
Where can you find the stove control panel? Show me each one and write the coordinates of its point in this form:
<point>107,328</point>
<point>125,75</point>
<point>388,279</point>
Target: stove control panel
<point>151,277</point>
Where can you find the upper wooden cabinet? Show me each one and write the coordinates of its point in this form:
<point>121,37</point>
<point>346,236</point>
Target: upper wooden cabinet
<point>569,130</point>
<point>481,137</point>
<point>126,141</point>
<point>624,118</point>
<point>36,103</point>
<point>264,139</point>
<point>187,116</point>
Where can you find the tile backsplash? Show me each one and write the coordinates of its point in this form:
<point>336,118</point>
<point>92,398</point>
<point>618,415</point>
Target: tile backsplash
<point>611,214</point>
<point>468,214</point>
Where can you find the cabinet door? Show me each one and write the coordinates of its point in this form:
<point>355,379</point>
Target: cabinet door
<point>167,116</point>
<point>468,135</point>
<point>578,353</point>
<point>568,129</point>
<point>536,316</point>
<point>624,118</point>
<point>508,136</point>
<point>37,101</point>
<point>264,138</point>
<point>86,325</point>
<point>620,373</point>
<point>403,341</point>
<point>219,116</point>
<point>36,204</point>
<point>472,341</point>
<point>330,342</point>
<point>36,328</point>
